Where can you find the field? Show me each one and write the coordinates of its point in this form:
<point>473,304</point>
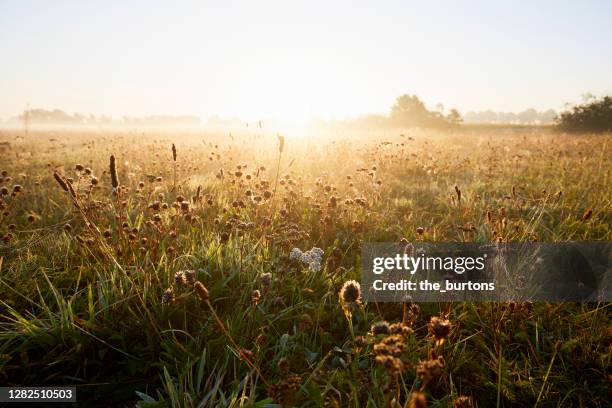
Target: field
<point>164,276</point>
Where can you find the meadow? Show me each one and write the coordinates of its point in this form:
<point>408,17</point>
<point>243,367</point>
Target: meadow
<point>159,268</point>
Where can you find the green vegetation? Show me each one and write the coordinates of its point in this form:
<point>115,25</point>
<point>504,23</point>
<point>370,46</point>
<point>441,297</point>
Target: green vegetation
<point>165,278</point>
<point>594,117</point>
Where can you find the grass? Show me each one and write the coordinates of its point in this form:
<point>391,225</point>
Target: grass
<point>89,294</point>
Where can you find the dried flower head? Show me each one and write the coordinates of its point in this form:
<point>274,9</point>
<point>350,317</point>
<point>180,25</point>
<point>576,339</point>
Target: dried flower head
<point>266,279</point>
<point>113,172</point>
<point>255,297</point>
<point>201,290</point>
<point>439,328</point>
<point>430,370</point>
<point>350,293</point>
<point>168,296</point>
<point>180,278</point>
<point>381,327</point>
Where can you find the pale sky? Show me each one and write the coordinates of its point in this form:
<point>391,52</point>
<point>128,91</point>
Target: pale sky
<point>296,60</point>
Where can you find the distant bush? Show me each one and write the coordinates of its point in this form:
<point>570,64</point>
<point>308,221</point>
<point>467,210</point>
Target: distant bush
<point>410,111</point>
<point>594,116</point>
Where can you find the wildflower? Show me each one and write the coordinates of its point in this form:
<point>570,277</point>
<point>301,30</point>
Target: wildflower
<point>381,327</point>
<point>255,297</point>
<point>306,257</point>
<point>315,266</point>
<point>350,293</point>
<point>168,296</point>
<point>388,352</point>
<point>266,279</point>
<point>439,328</point>
<point>317,253</point>
<point>201,290</point>
<point>190,276</point>
<point>430,369</point>
<point>400,328</point>
<point>113,172</point>
<point>180,278</point>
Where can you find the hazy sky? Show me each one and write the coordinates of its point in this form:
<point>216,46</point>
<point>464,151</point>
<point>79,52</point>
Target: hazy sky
<point>299,59</point>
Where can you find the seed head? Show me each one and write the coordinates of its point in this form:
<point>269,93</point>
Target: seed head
<point>113,172</point>
<point>430,369</point>
<point>201,290</point>
<point>350,292</point>
<point>439,327</point>
<point>180,278</point>
<point>266,279</point>
<point>381,327</point>
<point>168,296</point>
<point>255,297</point>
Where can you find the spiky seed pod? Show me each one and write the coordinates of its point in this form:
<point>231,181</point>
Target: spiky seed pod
<point>201,290</point>
<point>439,327</point>
<point>168,296</point>
<point>173,152</point>
<point>113,172</point>
<point>350,292</point>
<point>430,369</point>
<point>180,278</point>
<point>381,327</point>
